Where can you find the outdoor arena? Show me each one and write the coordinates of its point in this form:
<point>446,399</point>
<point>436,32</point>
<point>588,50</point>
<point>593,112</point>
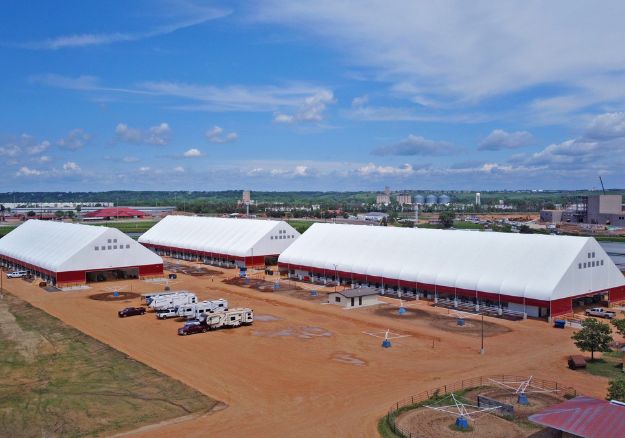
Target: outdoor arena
<point>496,405</point>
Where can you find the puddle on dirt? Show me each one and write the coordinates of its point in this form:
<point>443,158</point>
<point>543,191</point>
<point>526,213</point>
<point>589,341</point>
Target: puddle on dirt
<point>266,318</point>
<point>348,358</point>
<point>299,332</point>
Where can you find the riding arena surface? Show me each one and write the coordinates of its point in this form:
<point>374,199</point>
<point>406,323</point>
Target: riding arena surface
<point>305,368</point>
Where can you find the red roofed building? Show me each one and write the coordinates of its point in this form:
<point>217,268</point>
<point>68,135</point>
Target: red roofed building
<point>584,417</point>
<point>115,213</point>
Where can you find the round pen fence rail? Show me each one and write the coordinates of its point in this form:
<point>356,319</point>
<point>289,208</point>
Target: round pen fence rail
<point>418,400</point>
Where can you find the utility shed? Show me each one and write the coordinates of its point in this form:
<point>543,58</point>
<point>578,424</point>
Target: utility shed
<point>535,274</point>
<point>220,241</point>
<point>359,297</point>
<point>70,254</point>
<point>583,417</point>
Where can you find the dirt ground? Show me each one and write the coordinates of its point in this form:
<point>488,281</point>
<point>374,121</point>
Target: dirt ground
<point>307,369</point>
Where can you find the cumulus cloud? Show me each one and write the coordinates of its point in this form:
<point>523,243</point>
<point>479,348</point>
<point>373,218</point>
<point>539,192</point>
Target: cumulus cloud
<point>416,145</point>
<point>192,153</point>
<point>71,166</point>
<point>155,135</point>
<point>130,159</point>
<point>23,144</point>
<point>27,171</point>
<point>499,139</point>
<point>76,139</point>
<point>607,126</point>
<point>312,110</point>
<point>216,135</point>
<point>179,169</point>
<point>377,170</point>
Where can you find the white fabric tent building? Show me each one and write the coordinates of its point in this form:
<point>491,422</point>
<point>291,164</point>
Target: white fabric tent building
<point>531,273</point>
<point>220,241</point>
<point>68,254</point>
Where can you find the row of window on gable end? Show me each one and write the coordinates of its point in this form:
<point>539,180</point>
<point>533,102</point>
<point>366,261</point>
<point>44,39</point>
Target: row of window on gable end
<point>591,255</point>
<point>590,264</point>
<point>111,247</point>
<point>282,236</point>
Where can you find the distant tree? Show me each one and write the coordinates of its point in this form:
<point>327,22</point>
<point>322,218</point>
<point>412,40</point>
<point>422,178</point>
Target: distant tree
<point>31,214</point>
<point>616,389</point>
<point>525,229</point>
<point>70,214</point>
<point>59,214</point>
<point>2,210</point>
<point>78,209</point>
<point>594,336</point>
<point>384,222</point>
<point>446,218</point>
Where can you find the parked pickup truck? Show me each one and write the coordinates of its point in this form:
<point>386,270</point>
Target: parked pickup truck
<point>600,313</point>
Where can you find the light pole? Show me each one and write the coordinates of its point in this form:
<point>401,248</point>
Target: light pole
<point>482,349</point>
<point>336,278</point>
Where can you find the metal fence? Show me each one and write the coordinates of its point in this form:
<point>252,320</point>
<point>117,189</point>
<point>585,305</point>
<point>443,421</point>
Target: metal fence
<point>418,400</point>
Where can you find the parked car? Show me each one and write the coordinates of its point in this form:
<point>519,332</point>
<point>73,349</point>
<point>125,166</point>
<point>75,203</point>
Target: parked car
<point>600,313</point>
<point>17,274</point>
<point>191,327</point>
<point>131,311</point>
<point>171,312</point>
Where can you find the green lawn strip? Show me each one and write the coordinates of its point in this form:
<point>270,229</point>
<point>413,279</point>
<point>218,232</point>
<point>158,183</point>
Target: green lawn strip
<point>610,365</point>
<point>78,386</point>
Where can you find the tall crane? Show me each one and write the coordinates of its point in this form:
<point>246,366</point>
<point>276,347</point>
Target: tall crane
<point>602,187</point>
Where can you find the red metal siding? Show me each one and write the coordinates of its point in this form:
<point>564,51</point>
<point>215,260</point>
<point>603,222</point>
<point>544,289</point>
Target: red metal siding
<point>151,270</point>
<point>617,294</point>
<point>71,277</point>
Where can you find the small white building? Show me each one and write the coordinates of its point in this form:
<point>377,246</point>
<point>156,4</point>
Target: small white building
<point>361,297</point>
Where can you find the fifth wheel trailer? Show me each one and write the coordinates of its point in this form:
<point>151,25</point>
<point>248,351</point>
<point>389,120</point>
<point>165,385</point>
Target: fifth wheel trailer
<point>198,310</point>
<point>231,318</point>
<point>174,300</point>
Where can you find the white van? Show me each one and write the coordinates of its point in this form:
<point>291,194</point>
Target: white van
<point>17,274</point>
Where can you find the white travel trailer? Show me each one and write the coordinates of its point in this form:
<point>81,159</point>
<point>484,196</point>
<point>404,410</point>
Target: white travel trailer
<point>230,318</point>
<point>174,300</point>
<point>149,297</point>
<point>199,310</point>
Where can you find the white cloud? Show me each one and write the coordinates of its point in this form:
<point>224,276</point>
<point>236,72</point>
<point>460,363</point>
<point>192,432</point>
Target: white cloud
<point>416,145</point>
<point>607,126</point>
<point>10,150</point>
<point>311,110</point>
<point>43,159</point>
<point>27,171</point>
<point>499,139</point>
<point>216,135</point>
<point>71,166</point>
<point>193,153</point>
<point>179,169</point>
<point>76,139</point>
<point>372,169</point>
<point>196,15</point>
<point>130,159</point>
<point>450,52</point>
<point>155,135</point>
<point>144,169</point>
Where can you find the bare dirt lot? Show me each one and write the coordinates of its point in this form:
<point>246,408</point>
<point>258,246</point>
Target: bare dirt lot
<point>304,368</point>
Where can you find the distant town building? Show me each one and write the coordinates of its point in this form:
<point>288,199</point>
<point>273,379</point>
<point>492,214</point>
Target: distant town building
<point>387,191</point>
<point>419,199</point>
<point>478,200</point>
<point>372,216</point>
<point>551,216</point>
<point>246,198</point>
<point>403,199</point>
<point>593,210</point>
<point>383,199</point>
<point>444,200</point>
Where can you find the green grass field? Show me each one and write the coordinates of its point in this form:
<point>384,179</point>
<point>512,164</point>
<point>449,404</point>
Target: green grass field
<point>300,226</point>
<point>57,381</point>
<point>610,365</point>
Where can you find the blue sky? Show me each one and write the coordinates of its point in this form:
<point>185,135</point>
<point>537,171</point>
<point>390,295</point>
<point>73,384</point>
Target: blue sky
<point>311,95</point>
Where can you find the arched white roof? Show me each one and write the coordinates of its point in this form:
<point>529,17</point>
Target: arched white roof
<point>62,247</point>
<point>524,265</point>
<point>236,237</point>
